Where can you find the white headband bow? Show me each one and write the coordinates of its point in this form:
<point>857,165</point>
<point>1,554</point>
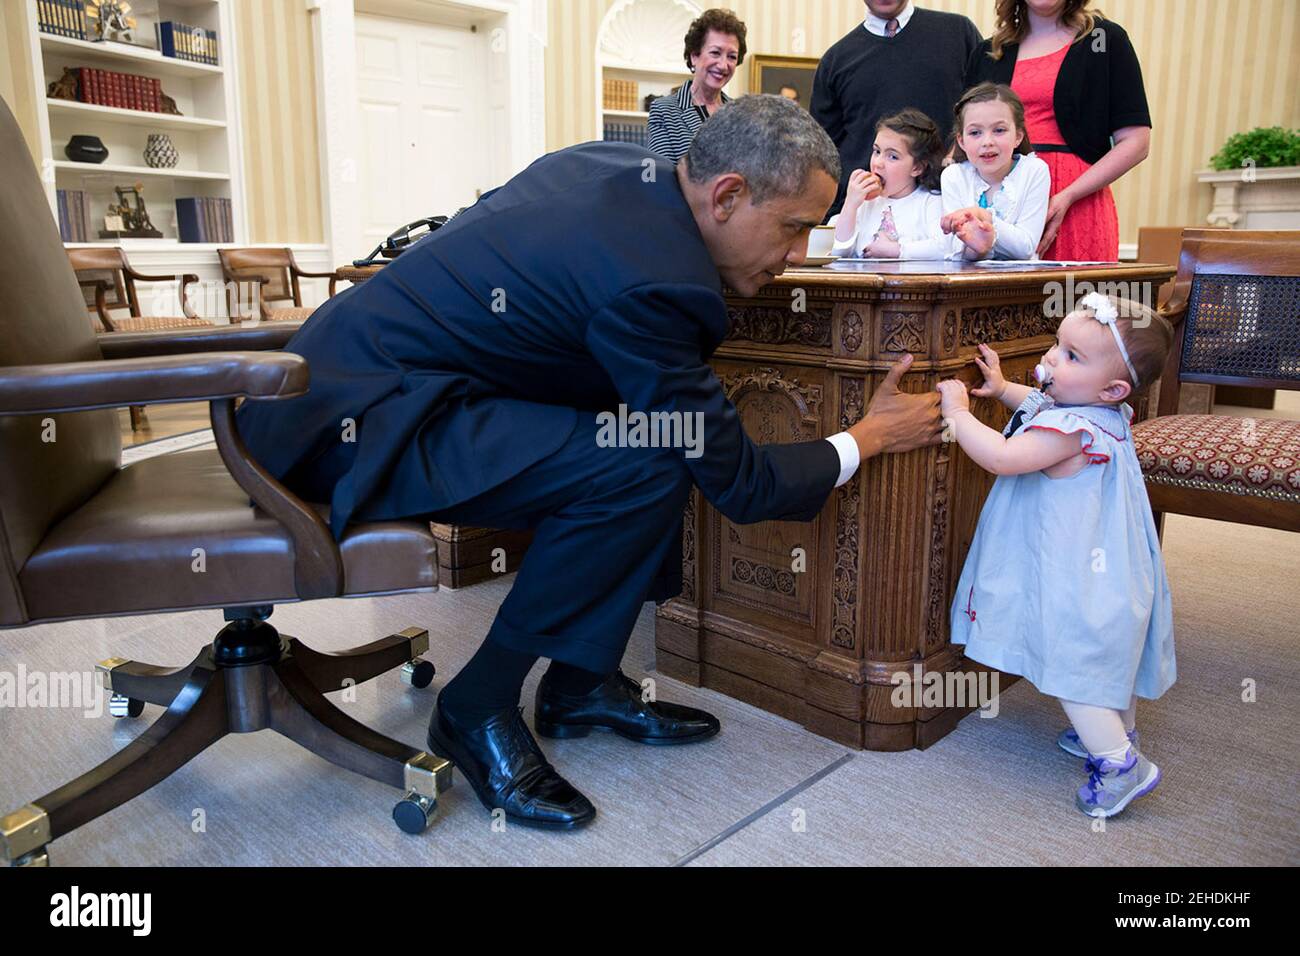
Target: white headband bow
<point>1104,312</point>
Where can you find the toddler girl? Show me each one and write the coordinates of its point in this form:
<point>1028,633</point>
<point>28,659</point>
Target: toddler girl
<point>1064,583</point>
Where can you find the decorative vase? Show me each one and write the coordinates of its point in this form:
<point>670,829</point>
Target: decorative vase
<point>86,149</point>
<point>160,153</point>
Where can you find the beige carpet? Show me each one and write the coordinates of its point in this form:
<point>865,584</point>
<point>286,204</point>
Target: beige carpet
<point>995,791</point>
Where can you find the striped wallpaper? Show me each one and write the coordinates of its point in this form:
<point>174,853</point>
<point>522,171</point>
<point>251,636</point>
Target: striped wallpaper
<point>277,83</point>
<point>1211,67</point>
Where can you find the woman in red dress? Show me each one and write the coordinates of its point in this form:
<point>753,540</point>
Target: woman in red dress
<point>1085,111</point>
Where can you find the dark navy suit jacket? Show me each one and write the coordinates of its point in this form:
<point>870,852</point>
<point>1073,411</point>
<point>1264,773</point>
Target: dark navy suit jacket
<point>576,285</point>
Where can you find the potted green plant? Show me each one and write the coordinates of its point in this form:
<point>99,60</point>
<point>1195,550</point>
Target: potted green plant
<point>1256,180</point>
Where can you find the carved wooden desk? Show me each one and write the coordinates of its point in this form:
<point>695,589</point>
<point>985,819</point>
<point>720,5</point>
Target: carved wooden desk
<point>820,645</point>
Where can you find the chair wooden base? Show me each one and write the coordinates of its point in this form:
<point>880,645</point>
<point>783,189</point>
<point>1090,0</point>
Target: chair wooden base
<point>248,679</point>
<point>1222,506</point>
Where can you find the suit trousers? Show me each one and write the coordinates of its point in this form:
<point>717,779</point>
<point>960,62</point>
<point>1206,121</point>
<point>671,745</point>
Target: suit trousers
<point>607,537</point>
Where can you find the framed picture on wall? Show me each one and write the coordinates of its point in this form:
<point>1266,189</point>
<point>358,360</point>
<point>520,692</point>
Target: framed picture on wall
<point>789,76</point>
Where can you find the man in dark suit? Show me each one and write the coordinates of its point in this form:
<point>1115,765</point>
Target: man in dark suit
<point>472,381</point>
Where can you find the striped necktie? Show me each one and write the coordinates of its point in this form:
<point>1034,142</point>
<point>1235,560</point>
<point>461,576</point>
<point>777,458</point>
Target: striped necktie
<point>891,27</point>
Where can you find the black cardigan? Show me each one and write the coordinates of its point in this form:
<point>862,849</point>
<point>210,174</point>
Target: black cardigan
<point>1096,92</point>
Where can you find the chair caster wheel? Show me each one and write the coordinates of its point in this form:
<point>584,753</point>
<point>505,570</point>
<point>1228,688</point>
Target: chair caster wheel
<point>38,857</point>
<point>122,706</point>
<point>418,673</point>
<point>414,813</point>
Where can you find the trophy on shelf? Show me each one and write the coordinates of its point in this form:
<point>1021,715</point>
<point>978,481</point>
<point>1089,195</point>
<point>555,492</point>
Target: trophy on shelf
<point>128,218</point>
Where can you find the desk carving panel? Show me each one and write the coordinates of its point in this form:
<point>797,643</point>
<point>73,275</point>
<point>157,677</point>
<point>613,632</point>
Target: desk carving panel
<point>812,620</point>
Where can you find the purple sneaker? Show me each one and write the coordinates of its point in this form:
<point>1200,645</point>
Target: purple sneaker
<point>1113,786</point>
<point>1069,741</point>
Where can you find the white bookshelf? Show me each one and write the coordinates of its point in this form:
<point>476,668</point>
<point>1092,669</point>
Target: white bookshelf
<point>641,41</point>
<point>650,81</point>
<point>206,134</point>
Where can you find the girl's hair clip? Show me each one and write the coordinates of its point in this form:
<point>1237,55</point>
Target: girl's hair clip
<point>1104,311</point>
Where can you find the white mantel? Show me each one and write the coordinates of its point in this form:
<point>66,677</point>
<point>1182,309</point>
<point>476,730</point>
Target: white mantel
<point>1254,198</point>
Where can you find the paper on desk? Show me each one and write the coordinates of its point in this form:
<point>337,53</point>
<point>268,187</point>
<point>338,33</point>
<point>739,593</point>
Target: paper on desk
<point>854,259</point>
<point>1037,263</point>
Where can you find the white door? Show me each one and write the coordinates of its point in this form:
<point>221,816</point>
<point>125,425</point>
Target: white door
<point>426,145</point>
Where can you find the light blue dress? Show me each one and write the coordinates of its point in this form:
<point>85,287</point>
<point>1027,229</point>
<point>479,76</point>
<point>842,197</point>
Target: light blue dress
<point>1065,583</point>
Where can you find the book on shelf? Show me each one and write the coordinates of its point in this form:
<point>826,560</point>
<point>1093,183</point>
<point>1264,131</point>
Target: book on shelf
<point>48,18</point>
<point>625,133</point>
<point>184,42</point>
<point>204,219</point>
<point>74,215</point>
<point>121,90</point>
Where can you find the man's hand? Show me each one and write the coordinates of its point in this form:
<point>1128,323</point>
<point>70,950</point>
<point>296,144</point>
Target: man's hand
<point>897,421</point>
<point>991,367</point>
<point>952,397</point>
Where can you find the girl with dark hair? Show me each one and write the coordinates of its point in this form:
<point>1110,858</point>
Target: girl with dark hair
<point>893,211</point>
<point>1085,109</point>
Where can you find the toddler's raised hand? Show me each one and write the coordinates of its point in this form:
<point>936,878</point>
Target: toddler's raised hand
<point>991,367</point>
<point>952,397</point>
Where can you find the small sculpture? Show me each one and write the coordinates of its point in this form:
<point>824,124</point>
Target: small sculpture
<point>168,105</point>
<point>65,87</point>
<point>135,219</point>
<point>110,20</point>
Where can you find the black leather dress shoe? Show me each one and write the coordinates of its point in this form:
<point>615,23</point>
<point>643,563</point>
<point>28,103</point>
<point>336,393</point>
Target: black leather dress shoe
<point>507,769</point>
<point>617,705</point>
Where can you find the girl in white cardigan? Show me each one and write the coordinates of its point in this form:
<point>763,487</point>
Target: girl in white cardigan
<point>893,211</point>
<point>995,194</point>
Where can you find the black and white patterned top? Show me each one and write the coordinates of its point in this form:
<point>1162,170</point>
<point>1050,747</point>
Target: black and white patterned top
<point>674,121</point>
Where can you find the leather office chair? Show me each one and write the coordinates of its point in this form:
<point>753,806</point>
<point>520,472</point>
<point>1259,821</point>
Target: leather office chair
<point>274,275</point>
<point>1234,307</point>
<point>81,536</point>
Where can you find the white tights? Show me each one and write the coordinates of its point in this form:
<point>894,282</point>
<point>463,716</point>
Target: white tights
<point>1102,731</point>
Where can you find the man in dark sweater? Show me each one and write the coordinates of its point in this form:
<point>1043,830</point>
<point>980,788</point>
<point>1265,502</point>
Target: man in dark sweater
<point>899,56</point>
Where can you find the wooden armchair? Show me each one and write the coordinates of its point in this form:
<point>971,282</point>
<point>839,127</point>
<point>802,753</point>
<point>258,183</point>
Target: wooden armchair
<point>274,275</point>
<point>1234,307</point>
<point>108,283</point>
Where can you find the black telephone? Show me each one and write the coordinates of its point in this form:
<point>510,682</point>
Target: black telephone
<point>412,232</point>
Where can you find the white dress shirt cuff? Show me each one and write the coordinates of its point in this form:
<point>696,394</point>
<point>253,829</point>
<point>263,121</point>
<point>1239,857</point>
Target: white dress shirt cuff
<point>847,448</point>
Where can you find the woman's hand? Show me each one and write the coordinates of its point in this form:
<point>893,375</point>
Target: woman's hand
<point>952,397</point>
<point>991,367</point>
<point>1057,207</point>
<point>862,187</point>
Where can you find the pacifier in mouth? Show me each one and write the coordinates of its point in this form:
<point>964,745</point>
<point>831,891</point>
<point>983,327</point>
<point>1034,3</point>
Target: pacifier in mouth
<point>1043,375</point>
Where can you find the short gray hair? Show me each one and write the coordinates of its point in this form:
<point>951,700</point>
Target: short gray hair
<point>772,141</point>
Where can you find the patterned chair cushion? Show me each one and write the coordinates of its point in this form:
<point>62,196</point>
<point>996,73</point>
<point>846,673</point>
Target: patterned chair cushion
<point>288,314</point>
<point>1241,456</point>
<point>154,323</point>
